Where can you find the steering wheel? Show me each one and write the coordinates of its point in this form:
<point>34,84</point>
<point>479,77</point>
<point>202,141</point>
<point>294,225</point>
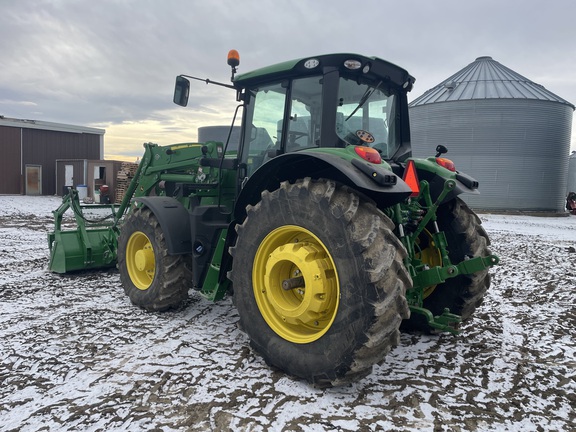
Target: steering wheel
<point>293,136</point>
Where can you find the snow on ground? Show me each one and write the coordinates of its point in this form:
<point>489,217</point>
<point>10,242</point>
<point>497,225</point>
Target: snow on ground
<point>76,355</point>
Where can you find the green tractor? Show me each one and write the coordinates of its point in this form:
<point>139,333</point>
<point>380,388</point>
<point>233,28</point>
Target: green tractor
<point>327,233</point>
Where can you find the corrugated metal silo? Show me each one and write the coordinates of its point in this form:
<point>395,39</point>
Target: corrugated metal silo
<point>508,132</point>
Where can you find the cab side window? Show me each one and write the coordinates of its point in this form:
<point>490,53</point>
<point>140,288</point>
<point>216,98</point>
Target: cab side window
<point>305,114</point>
<point>264,134</point>
<point>265,131</point>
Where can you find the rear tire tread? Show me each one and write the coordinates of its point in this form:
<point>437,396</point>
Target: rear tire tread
<point>370,236</point>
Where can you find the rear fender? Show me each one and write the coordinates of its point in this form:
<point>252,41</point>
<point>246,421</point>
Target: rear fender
<point>437,175</point>
<point>174,220</point>
<point>363,176</point>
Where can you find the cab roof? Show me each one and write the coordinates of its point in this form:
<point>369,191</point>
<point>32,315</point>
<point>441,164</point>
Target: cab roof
<point>371,67</point>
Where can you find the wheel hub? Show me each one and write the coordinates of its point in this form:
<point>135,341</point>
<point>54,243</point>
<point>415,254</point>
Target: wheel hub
<point>295,284</point>
<point>302,305</point>
<point>144,259</point>
<point>140,260</point>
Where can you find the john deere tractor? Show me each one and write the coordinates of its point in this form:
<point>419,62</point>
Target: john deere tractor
<point>327,233</point>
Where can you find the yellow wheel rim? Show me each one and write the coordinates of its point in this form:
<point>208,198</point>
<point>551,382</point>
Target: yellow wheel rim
<point>429,254</point>
<point>140,260</point>
<point>293,256</point>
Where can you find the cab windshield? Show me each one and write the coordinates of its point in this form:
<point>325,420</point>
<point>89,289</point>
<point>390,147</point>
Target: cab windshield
<point>365,116</point>
<point>288,116</point>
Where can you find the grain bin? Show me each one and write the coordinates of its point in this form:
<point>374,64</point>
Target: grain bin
<point>508,132</point>
<point>220,133</point>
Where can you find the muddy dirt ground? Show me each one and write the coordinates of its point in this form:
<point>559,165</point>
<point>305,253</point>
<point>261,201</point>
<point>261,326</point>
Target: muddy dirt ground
<point>75,355</point>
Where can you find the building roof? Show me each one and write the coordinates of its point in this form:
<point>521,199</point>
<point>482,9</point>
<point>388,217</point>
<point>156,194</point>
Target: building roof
<point>485,78</point>
<point>44,125</point>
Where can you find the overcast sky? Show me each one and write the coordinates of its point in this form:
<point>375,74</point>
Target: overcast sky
<point>111,64</point>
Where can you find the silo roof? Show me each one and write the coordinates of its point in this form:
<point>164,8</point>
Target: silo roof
<point>485,78</point>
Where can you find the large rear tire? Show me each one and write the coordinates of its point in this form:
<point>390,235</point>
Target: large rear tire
<point>466,238</point>
<point>152,279</point>
<point>344,281</point>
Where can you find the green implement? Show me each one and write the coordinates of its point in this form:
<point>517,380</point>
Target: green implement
<point>91,245</point>
<point>93,242</point>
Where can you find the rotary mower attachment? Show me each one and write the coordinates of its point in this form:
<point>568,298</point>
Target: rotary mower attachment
<point>92,244</point>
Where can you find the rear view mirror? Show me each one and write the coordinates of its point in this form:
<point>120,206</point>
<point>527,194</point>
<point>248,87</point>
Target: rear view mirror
<point>181,91</point>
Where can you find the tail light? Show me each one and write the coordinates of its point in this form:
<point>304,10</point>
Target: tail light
<point>446,163</point>
<point>368,154</point>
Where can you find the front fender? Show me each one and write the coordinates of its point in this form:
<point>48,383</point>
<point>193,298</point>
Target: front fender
<point>174,220</point>
<point>360,175</point>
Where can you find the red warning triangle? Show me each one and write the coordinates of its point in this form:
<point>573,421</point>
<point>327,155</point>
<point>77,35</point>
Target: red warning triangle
<point>411,178</point>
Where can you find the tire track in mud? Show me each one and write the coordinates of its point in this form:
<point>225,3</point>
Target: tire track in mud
<point>76,355</point>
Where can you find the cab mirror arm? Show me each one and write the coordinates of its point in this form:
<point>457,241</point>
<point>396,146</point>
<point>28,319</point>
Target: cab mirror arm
<point>182,88</point>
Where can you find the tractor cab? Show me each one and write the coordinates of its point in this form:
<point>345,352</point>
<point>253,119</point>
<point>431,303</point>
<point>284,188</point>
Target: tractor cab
<point>329,101</point>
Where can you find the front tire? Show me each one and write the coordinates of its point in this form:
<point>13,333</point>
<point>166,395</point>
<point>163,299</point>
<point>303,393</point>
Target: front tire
<point>344,281</point>
<point>152,279</point>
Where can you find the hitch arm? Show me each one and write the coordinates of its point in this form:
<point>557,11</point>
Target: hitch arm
<point>437,275</point>
<point>473,265</point>
<point>445,322</point>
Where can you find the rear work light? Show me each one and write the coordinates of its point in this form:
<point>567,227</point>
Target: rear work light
<point>368,154</point>
<point>352,64</point>
<point>446,163</point>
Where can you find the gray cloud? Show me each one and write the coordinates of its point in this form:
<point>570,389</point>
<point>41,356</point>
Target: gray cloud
<point>112,61</point>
